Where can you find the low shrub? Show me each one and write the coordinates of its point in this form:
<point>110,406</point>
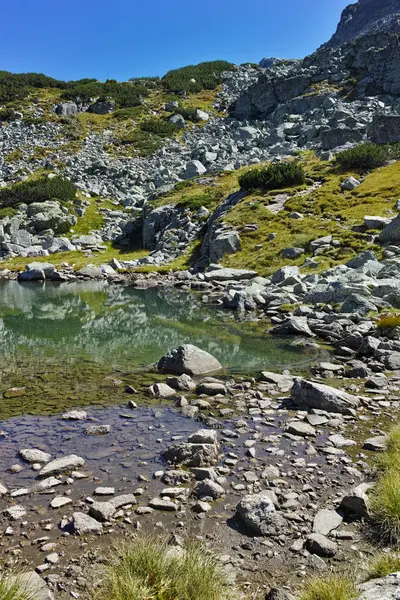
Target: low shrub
<point>330,587</point>
<point>37,190</point>
<point>384,564</point>
<point>159,127</point>
<point>388,321</point>
<point>133,112</point>
<point>273,177</point>
<point>195,78</point>
<point>143,142</point>
<point>149,569</point>
<point>6,114</point>
<point>188,113</point>
<point>364,156</point>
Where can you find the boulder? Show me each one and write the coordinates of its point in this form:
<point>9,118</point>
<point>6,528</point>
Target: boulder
<point>192,455</point>
<point>320,545</point>
<point>207,488</point>
<point>391,233</point>
<point>203,436</point>
<point>226,274</point>
<point>350,184</point>
<point>33,455</point>
<point>326,521</point>
<point>293,326</point>
<point>47,268</point>
<point>102,511</point>
<point>62,465</point>
<point>384,588</point>
<point>376,222</point>
<point>84,524</point>
<point>323,397</point>
<point>33,275</point>
<point>385,129</point>
<point>66,109</point>
<point>189,360</point>
<point>224,242</point>
<point>161,390</point>
<point>31,586</point>
<point>356,502</point>
<point>194,168</point>
<point>258,513</point>
<point>178,121</point>
<point>103,107</point>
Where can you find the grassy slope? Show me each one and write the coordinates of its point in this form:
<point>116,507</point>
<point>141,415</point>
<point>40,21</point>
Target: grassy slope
<point>326,210</point>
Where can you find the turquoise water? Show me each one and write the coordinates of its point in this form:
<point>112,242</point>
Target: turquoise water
<point>124,328</point>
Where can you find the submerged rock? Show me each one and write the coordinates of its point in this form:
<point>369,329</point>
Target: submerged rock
<point>62,465</point>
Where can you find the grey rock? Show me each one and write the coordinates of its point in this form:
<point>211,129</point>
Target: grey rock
<point>229,274</point>
<point>376,444</point>
<point>293,326</point>
<point>320,545</point>
<point>192,455</point>
<point>208,489</point>
<point>356,502</point>
<point>257,511</point>
<point>33,455</point>
<point>189,360</point>
<point>32,585</point>
<point>203,436</point>
<point>350,183</point>
<point>324,397</point>
<point>326,521</point>
<point>84,524</point>
<point>102,511</point>
<point>62,465</point>
<point>300,428</point>
<point>385,588</point>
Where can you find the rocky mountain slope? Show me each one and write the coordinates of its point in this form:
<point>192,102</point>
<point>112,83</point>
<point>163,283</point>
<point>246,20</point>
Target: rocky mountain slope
<point>157,182</point>
<point>364,17</point>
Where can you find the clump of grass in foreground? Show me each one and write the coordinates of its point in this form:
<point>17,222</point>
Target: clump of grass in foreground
<point>330,587</point>
<point>385,499</point>
<point>12,590</point>
<point>148,569</point>
<point>384,564</point>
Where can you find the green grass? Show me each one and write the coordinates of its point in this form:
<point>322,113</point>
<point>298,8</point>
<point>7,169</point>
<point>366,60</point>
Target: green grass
<point>385,496</point>
<point>326,210</point>
<point>148,569</point>
<point>383,564</point>
<point>75,258</point>
<point>388,321</point>
<point>330,587</point>
<point>12,590</point>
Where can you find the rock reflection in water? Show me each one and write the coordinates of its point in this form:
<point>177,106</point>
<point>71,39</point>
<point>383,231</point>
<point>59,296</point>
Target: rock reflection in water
<point>127,328</point>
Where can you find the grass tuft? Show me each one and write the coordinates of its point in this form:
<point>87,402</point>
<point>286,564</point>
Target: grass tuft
<point>149,569</point>
<point>388,321</point>
<point>383,564</point>
<point>330,587</point>
<point>10,589</point>
<point>385,501</point>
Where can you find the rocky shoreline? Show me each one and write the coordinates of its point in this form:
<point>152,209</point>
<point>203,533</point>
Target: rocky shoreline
<point>284,467</point>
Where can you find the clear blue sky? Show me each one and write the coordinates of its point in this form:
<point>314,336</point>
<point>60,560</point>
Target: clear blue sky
<point>131,38</point>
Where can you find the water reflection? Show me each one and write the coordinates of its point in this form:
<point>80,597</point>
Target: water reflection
<point>127,328</point>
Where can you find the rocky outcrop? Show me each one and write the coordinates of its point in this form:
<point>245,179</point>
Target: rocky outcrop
<point>366,16</point>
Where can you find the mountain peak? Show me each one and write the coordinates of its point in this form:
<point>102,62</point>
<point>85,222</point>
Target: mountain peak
<point>366,16</point>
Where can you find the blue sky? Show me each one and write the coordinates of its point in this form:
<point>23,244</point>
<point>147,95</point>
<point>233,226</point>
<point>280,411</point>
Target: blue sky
<point>119,39</point>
